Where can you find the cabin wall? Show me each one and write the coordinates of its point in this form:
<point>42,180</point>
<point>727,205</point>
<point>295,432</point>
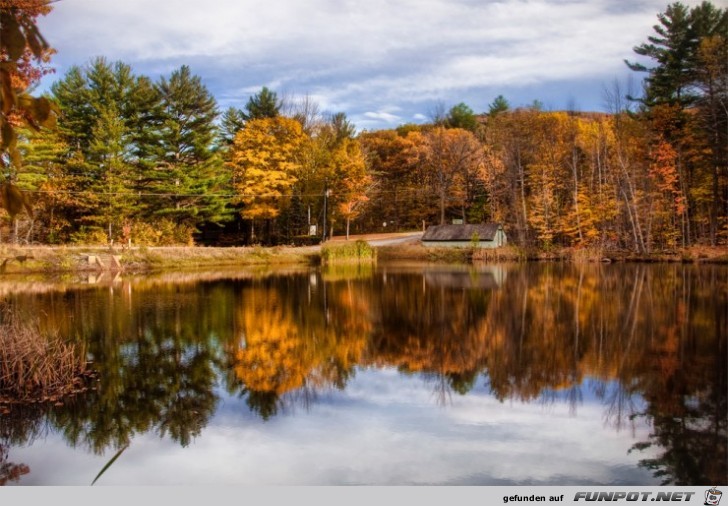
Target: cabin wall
<point>500,239</point>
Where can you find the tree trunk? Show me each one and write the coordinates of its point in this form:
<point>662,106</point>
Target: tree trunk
<point>442,205</point>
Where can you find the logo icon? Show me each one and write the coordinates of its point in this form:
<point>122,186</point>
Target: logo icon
<point>712,497</point>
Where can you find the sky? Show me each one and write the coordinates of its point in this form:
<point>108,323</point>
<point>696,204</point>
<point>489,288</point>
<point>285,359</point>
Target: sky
<point>382,62</point>
<point>342,438</point>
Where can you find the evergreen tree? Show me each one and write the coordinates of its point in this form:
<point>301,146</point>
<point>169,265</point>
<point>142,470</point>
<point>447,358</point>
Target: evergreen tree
<point>342,127</point>
<point>189,176</point>
<point>674,50</point>
<point>232,121</point>
<point>73,95</point>
<point>462,116</point>
<point>111,192</point>
<point>43,176</point>
<point>105,109</point>
<point>264,104</point>
<point>499,105</point>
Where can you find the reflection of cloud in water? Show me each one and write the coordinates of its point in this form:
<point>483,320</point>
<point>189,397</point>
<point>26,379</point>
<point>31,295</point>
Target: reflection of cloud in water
<point>384,429</point>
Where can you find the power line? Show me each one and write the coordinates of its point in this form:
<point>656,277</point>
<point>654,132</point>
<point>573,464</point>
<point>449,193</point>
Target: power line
<point>209,195</point>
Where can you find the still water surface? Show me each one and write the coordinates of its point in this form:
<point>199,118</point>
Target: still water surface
<point>538,374</point>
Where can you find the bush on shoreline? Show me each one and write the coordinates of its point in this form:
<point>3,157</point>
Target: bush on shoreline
<point>358,251</point>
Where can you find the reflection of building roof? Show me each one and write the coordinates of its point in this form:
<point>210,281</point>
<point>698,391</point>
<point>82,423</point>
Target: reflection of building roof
<point>485,231</point>
<point>463,280</point>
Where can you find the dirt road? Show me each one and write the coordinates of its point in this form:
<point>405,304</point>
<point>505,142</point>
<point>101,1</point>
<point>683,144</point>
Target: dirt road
<point>382,239</point>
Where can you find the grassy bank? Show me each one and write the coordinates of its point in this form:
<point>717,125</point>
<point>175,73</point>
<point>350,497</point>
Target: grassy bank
<point>417,252</point>
<point>693,254</point>
<point>48,259</point>
<point>68,259</point>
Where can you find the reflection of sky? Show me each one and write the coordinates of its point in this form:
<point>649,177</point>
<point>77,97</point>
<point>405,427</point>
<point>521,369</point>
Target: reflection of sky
<point>385,428</point>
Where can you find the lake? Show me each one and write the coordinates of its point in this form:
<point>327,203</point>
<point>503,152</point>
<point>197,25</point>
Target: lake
<point>530,374</point>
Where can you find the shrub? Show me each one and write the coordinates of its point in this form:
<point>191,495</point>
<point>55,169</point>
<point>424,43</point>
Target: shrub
<point>90,236</point>
<point>348,252</point>
<point>34,366</point>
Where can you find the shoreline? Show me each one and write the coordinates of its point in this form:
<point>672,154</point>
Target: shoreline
<point>17,259</point>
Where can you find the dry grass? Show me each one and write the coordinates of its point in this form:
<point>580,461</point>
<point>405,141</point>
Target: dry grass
<point>36,367</point>
<point>47,259</point>
<point>419,253</point>
<point>74,259</point>
<point>502,254</point>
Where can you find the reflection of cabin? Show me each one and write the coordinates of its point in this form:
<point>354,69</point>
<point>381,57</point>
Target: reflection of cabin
<point>483,278</point>
<point>489,235</point>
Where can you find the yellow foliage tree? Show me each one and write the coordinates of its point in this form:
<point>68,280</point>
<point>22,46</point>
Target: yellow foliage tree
<point>452,157</point>
<point>352,179</point>
<point>265,157</point>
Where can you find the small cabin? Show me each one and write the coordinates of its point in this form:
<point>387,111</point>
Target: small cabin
<point>484,235</point>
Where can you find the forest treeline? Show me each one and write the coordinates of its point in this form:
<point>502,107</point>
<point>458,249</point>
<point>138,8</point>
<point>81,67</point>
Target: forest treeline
<point>156,162</point>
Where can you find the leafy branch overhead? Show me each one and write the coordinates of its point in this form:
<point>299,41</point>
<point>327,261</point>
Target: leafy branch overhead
<point>19,36</point>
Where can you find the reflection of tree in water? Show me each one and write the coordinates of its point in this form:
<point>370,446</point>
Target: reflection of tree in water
<point>167,388</point>
<point>687,397</point>
<point>428,327</point>
<point>10,471</point>
<point>156,366</point>
<point>692,445</point>
<point>20,424</point>
<point>657,352</point>
<point>644,340</point>
<point>295,340</point>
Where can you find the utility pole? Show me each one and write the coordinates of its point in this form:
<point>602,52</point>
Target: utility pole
<point>326,199</point>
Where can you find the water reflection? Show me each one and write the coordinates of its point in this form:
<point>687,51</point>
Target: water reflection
<point>647,343</point>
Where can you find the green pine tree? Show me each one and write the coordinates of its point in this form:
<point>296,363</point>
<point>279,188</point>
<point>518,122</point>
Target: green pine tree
<point>189,178</point>
<point>264,104</point>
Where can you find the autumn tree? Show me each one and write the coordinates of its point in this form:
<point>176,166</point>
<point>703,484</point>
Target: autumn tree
<point>265,157</point>
<point>712,80</point>
<point>547,176</point>
<point>331,180</point>
<point>350,180</point>
<point>401,196</point>
<point>595,188</point>
<point>685,73</point>
<point>24,55</point>
<point>509,149</point>
<point>453,159</point>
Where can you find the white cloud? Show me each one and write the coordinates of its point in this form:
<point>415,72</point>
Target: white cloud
<point>386,429</point>
<point>360,54</point>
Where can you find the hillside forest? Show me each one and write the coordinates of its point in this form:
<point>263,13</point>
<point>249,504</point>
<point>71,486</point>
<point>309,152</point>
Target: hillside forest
<point>123,158</point>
